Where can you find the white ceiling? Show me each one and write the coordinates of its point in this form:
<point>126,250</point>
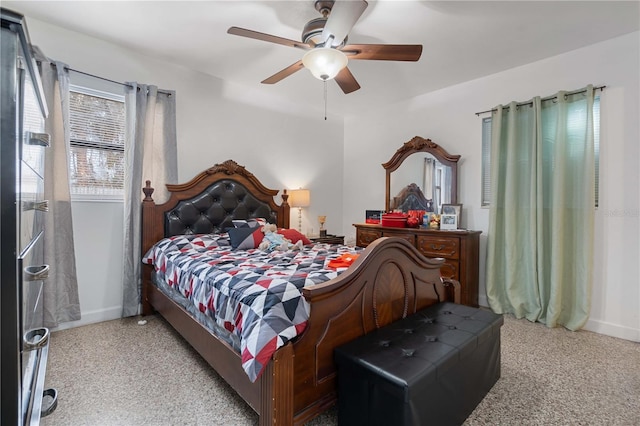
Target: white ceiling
<point>461,40</point>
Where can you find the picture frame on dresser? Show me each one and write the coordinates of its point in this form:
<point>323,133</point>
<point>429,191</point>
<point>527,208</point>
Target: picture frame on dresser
<point>451,209</point>
<point>373,216</point>
<point>448,222</point>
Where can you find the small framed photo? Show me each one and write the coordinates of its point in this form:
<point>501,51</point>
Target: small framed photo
<point>373,216</point>
<point>455,209</point>
<point>448,221</point>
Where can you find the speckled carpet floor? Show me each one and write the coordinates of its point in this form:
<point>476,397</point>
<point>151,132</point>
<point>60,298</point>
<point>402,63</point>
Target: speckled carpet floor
<point>122,373</point>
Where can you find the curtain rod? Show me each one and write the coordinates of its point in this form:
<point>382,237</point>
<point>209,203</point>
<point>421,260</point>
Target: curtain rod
<point>543,99</point>
<point>110,81</point>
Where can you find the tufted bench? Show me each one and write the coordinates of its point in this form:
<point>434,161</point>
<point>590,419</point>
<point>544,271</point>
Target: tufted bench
<point>433,367</point>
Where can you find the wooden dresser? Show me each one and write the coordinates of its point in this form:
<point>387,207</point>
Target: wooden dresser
<point>459,248</point>
<point>328,239</point>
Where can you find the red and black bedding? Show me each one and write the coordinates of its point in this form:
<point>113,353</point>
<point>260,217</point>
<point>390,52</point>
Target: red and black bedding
<point>253,295</point>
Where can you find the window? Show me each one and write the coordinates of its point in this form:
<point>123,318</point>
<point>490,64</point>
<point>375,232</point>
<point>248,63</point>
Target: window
<point>97,135</point>
<point>486,153</point>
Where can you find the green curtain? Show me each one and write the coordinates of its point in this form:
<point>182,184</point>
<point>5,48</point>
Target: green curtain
<point>541,221</point>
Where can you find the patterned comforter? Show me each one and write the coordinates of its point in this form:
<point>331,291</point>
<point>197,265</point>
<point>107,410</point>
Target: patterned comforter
<point>252,293</point>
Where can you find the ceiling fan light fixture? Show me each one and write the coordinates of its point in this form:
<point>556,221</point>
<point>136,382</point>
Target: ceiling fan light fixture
<point>324,62</point>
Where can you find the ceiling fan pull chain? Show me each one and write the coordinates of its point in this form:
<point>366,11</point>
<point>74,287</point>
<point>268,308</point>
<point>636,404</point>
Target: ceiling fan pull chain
<point>325,100</point>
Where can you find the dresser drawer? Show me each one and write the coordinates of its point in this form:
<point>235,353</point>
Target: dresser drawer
<point>364,237</point>
<point>409,237</point>
<point>447,247</point>
<point>450,269</point>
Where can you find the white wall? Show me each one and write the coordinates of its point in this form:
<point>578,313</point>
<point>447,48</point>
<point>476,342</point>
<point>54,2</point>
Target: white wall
<point>216,121</point>
<point>448,118</point>
<point>98,243</point>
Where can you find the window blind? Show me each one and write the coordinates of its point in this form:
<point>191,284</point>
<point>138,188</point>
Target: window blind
<point>97,128</point>
<point>486,161</point>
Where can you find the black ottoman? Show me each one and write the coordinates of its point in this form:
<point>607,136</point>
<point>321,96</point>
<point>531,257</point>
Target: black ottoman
<point>431,368</point>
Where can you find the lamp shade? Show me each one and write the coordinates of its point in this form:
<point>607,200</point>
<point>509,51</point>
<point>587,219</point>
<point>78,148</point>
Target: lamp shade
<point>299,197</point>
<point>324,62</point>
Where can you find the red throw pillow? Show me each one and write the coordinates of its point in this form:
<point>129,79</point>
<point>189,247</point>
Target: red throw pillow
<point>294,236</point>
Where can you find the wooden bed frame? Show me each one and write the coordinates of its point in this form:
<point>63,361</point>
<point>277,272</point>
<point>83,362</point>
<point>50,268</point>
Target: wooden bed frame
<point>390,280</point>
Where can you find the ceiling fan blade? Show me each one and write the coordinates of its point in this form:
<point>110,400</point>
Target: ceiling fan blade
<point>347,81</point>
<point>267,37</point>
<point>344,15</point>
<point>280,75</point>
<point>384,52</point>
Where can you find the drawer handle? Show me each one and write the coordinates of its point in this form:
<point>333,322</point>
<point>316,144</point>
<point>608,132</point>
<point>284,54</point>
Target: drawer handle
<point>42,206</point>
<point>36,273</point>
<point>35,339</point>
<point>39,139</point>
<point>435,247</point>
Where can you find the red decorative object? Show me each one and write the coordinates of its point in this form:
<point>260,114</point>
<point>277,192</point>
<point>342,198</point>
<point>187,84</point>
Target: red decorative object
<point>413,222</point>
<point>419,215</point>
<point>395,220</point>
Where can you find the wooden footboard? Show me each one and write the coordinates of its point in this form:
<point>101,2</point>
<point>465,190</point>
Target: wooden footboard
<point>389,281</point>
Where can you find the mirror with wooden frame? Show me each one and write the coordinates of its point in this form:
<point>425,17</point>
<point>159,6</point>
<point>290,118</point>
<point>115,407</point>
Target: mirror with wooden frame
<point>425,176</point>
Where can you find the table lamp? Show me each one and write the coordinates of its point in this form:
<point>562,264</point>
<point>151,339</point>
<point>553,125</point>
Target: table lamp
<point>299,198</point>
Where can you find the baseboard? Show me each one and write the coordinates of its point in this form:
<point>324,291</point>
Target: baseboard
<point>613,330</point>
<point>595,326</point>
<point>92,317</point>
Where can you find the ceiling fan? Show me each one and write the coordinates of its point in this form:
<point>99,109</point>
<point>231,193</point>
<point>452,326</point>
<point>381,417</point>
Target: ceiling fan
<point>325,42</point>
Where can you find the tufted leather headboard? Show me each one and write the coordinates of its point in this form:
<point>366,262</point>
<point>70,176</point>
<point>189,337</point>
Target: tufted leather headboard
<point>411,198</point>
<point>209,202</point>
<point>213,210</point>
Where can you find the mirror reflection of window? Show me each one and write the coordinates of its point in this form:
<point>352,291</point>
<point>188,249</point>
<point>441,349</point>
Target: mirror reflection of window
<point>436,182</point>
<point>429,177</point>
<point>446,185</point>
<point>438,189</point>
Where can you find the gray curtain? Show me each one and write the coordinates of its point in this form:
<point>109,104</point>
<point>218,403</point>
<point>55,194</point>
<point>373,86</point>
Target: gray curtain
<point>541,219</point>
<point>61,300</point>
<point>150,154</point>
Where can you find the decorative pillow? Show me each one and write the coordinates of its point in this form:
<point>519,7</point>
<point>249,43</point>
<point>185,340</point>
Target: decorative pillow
<point>249,223</point>
<point>294,235</point>
<point>245,238</point>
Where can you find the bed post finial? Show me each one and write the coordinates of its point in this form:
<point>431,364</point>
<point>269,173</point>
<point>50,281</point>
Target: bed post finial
<point>286,209</point>
<point>148,191</point>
